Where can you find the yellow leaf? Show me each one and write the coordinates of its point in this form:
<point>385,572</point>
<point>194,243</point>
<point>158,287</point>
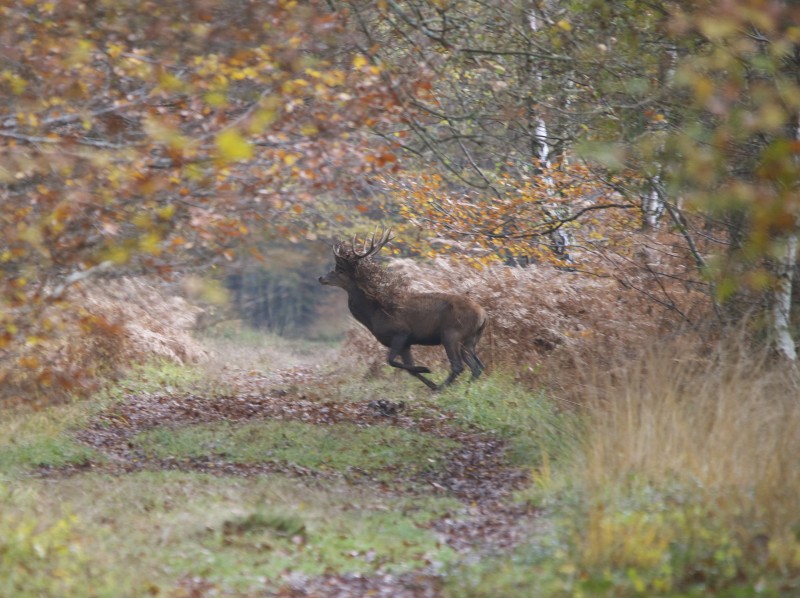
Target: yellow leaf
<point>169,82</point>
<point>17,83</point>
<point>262,119</point>
<point>233,147</point>
<point>334,78</point>
<point>703,89</point>
<point>360,61</point>
<point>564,24</point>
<point>113,50</point>
<point>150,243</point>
<point>118,255</point>
<point>166,212</point>
<point>290,159</point>
<point>216,99</point>
<point>141,220</point>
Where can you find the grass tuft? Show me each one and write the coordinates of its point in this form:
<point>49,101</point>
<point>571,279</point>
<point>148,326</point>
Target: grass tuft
<point>537,430</point>
<point>277,523</point>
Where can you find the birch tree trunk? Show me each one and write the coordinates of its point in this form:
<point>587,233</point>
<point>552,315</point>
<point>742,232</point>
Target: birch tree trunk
<point>782,301</point>
<point>782,296</point>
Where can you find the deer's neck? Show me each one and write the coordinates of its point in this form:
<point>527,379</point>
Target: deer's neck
<point>361,306</point>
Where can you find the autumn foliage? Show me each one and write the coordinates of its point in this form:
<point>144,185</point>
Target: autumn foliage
<point>111,325</point>
<point>653,148</point>
<point>519,219</point>
<point>148,138</point>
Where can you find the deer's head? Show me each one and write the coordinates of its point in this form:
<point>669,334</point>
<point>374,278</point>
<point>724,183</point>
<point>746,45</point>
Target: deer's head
<point>347,258</point>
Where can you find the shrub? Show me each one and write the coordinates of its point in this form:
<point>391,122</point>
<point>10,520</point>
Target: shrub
<point>97,331</point>
<point>46,560</point>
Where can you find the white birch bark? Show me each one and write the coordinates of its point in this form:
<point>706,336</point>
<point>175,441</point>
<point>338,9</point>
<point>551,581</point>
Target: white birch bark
<point>561,239</point>
<point>782,295</point>
<point>653,204</point>
<point>782,301</point>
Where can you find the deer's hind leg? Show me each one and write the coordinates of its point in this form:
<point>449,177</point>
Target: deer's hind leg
<point>473,362</point>
<point>470,356</point>
<point>454,349</point>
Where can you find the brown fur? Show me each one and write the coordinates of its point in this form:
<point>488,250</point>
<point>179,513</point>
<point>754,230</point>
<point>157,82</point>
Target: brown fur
<point>400,320</point>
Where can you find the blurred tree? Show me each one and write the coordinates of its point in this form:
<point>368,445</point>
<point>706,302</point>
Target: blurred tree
<point>143,137</point>
<point>280,292</point>
<point>733,155</point>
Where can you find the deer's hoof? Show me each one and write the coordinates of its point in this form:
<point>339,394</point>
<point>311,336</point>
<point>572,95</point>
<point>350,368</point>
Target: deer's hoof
<point>420,369</point>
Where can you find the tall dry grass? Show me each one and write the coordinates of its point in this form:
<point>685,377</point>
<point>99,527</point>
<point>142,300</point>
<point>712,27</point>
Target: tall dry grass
<point>724,426</point>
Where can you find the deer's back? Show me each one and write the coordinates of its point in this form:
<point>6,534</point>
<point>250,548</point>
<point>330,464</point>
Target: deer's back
<point>427,316</point>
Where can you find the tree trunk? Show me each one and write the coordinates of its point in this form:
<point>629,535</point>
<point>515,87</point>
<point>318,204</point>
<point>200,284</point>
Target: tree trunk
<point>782,298</point>
<point>782,301</point>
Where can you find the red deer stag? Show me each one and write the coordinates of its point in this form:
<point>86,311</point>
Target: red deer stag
<point>400,320</point>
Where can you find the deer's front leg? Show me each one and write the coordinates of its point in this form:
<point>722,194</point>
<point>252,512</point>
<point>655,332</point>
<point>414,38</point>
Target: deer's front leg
<point>399,347</point>
<point>409,361</point>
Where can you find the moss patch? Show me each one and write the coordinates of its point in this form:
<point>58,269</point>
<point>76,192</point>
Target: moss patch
<point>339,447</point>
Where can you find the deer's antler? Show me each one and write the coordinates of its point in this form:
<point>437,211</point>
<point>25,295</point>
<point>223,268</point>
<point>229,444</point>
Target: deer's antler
<point>370,247</point>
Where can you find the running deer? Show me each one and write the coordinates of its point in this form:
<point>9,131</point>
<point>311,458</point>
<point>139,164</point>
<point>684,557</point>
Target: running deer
<point>400,320</point>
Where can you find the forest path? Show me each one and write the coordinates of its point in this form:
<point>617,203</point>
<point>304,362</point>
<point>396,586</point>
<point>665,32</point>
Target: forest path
<point>472,468</point>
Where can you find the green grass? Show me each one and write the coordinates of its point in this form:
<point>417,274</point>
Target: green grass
<point>167,377</point>
<point>142,533</point>
<point>45,438</point>
<point>30,439</point>
<point>46,557</point>
<point>536,428</point>
<point>537,431</point>
<point>44,452</point>
<point>339,447</point>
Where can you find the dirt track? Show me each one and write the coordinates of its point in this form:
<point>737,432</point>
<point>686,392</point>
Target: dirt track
<point>475,473</point>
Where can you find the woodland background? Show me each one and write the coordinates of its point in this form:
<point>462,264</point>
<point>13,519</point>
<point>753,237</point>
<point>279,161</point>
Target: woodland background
<point>602,175</point>
<point>653,146</point>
